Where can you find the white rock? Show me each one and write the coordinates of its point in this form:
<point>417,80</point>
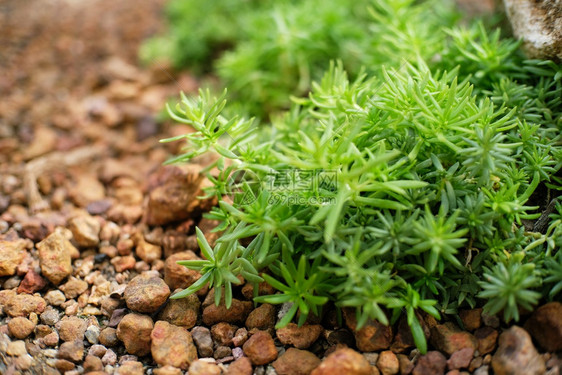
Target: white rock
<point>539,24</point>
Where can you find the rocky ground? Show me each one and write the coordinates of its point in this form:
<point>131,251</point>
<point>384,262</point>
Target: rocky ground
<point>92,224</point>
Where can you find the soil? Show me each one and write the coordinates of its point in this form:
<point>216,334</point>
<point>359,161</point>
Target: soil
<point>91,225</point>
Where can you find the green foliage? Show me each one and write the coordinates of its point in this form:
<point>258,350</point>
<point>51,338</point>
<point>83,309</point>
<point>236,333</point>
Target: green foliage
<point>199,30</point>
<point>508,286</point>
<point>409,185</point>
<point>264,51</point>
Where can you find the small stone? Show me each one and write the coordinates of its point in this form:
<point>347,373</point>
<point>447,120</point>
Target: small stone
<point>482,370</point>
<point>262,318</point>
<point>55,257</point>
<point>134,330</point>
<point>460,359</point>
<point>127,357</point>
<point>71,350</point>
<point>199,367</point>
<point>240,337</point>
<point>87,189</point>
<point>64,366</point>
<point>99,207</point>
<point>24,362</point>
<point>242,366</point>
<point>109,358</point>
<point>449,338</point>
<point>108,337</point>
<point>122,264</point>
<point>222,352</point>
<point>51,339</point>
<point>70,307</point>
<point>237,353</point>
<point>85,230</point>
<point>110,305</point>
<point>172,345</point>
<point>296,362</point>
<point>490,320</point>
<point>300,337</point>
<point>182,312</point>
<point>130,368</point>
<point>433,363</point>
<point>11,256</point>
<point>92,363</point>
<point>471,319</point>
<point>343,361</point>
<point>23,305</point>
<point>487,338</point>
<point>99,292</point>
<point>116,317</point>
<point>146,293</point>
<point>516,354</point>
<point>223,333</point>
<point>203,341</point>
<point>74,287</point>
<point>97,350</point>
<point>50,316</point>
<point>16,348</point>
<point>72,328</point>
<point>147,251</point>
<point>372,337</point>
<point>475,363</point>
<point>178,276</point>
<point>260,348</point>
<point>31,283</point>
<point>545,326</point>
<point>238,312</point>
<point>12,283</point>
<point>20,327</point>
<point>92,334</point>
<point>372,358</point>
<point>388,363</point>
<point>55,297</point>
<point>173,193</point>
<point>406,365</point>
<point>168,370</point>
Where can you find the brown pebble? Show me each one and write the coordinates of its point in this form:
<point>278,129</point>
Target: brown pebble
<point>223,333</point>
<point>64,366</point>
<point>262,318</point>
<point>343,361</point>
<point>431,363</point>
<point>20,327</point>
<point>296,362</point>
<point>204,368</point>
<point>300,337</point>
<point>242,366</point>
<point>168,370</point>
<point>172,345</point>
<point>182,312</point>
<point>130,368</point>
<point>260,348</point>
<point>72,328</point>
<point>108,337</point>
<point>388,363</point>
<point>55,257</point>
<point>72,350</point>
<point>134,330</point>
<point>92,363</point>
<point>146,293</point>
